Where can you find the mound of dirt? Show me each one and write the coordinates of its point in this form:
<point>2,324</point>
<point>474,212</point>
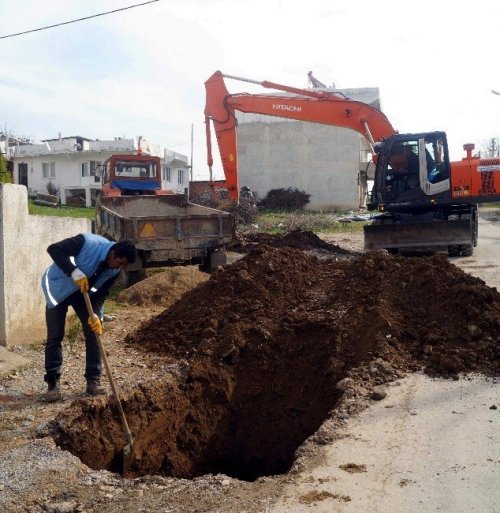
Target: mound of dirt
<point>298,239</point>
<point>256,354</point>
<point>163,288</point>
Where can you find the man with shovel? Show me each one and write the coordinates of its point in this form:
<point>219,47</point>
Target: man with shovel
<point>84,263</point>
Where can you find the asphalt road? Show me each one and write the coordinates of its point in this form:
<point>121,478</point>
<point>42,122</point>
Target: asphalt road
<point>485,262</point>
<point>429,446</point>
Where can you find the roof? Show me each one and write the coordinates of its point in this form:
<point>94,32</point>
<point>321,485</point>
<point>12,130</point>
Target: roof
<point>65,138</point>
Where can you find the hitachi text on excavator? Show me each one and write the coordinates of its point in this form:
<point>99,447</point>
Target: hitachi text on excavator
<point>424,201</point>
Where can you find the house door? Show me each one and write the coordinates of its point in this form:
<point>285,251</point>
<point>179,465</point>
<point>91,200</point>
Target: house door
<point>23,174</point>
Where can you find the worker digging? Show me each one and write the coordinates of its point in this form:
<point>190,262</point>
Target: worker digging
<point>83,263</point>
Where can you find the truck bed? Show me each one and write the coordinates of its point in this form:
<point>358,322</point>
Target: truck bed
<point>165,227</point>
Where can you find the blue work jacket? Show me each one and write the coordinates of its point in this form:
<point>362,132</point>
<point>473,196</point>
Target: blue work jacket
<point>57,285</point>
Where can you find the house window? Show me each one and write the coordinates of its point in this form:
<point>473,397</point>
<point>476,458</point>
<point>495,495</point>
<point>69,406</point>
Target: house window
<point>166,173</point>
<point>96,170</point>
<point>180,176</point>
<point>48,169</point>
<point>95,165</point>
<point>85,169</point>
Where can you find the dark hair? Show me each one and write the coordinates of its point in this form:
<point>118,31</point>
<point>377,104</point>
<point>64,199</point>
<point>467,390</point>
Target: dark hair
<point>125,248</point>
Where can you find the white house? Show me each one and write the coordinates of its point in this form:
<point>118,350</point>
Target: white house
<point>68,166</point>
<point>330,163</point>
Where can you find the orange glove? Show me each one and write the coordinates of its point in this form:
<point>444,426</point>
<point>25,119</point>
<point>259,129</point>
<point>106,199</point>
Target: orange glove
<point>81,280</point>
<point>95,325</point>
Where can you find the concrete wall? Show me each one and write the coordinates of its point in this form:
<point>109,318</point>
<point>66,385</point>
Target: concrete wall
<point>23,259</point>
<point>323,161</point>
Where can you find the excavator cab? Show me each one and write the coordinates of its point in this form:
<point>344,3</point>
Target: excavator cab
<point>412,194</point>
<point>411,170</point>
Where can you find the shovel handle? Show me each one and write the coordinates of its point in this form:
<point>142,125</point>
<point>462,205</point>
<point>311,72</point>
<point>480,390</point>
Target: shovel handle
<point>123,419</point>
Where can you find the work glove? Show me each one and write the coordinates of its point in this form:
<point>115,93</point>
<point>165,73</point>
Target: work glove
<point>95,325</point>
<point>81,280</point>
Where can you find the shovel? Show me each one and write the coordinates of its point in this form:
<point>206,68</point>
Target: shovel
<point>127,450</point>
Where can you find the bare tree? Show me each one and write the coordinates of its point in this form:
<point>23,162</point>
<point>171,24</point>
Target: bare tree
<point>491,148</point>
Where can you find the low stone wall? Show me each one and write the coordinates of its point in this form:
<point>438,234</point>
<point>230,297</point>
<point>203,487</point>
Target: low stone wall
<point>23,258</point>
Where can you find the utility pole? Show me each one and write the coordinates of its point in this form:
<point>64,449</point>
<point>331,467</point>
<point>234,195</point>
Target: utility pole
<point>191,168</point>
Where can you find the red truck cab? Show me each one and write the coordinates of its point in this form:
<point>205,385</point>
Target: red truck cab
<point>131,175</point>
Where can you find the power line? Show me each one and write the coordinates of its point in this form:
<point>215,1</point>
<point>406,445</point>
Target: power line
<point>179,144</point>
<point>79,19</point>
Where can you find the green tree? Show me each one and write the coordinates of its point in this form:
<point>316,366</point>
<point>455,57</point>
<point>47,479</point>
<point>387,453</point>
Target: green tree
<point>4,174</point>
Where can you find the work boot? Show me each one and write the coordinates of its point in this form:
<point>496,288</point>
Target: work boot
<point>53,392</point>
<point>95,388</point>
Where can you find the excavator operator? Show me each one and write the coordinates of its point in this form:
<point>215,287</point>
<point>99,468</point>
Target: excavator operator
<point>405,172</point>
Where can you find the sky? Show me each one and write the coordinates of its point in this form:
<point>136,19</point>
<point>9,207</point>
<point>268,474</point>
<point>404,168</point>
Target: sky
<point>142,71</point>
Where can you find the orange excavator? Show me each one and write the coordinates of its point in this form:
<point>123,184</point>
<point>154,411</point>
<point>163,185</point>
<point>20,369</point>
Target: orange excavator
<point>425,202</point>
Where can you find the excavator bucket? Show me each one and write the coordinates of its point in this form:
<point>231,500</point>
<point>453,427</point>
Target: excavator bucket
<point>419,236</point>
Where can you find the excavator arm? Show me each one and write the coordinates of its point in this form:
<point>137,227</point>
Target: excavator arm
<point>313,106</point>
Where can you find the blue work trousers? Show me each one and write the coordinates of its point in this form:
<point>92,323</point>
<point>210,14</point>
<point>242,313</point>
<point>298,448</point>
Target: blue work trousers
<point>56,321</point>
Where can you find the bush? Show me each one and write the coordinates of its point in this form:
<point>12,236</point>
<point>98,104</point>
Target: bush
<point>285,199</point>
<point>206,199</point>
<point>5,176</point>
<point>52,188</point>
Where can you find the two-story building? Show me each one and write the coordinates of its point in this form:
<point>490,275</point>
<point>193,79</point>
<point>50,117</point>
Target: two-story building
<point>70,166</point>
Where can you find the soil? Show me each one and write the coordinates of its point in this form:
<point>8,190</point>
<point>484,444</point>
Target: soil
<point>255,355</point>
<point>248,374</point>
<point>162,289</point>
<point>299,239</point>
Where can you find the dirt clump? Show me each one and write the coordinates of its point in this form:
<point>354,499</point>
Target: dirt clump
<point>259,355</point>
<point>317,496</point>
<point>353,468</point>
<point>298,239</point>
<point>162,288</point>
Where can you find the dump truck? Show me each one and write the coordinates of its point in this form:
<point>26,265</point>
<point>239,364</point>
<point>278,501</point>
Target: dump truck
<point>165,227</point>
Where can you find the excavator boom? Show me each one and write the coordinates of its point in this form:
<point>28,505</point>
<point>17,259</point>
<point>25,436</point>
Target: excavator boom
<point>313,106</point>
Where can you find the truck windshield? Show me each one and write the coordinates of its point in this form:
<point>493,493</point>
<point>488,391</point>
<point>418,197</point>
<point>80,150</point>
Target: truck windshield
<point>135,169</point>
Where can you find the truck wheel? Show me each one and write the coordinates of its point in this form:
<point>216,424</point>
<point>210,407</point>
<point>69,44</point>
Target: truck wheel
<point>454,251</point>
<point>214,259</point>
<point>476,229</point>
<point>467,250</point>
<point>133,277</point>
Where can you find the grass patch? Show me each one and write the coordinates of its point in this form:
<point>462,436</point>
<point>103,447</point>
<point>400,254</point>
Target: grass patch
<point>110,305</point>
<point>38,345</point>
<point>489,205</point>
<point>62,211</point>
<point>280,222</point>
<point>114,291</point>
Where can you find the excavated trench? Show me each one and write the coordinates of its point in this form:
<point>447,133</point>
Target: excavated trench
<point>245,422</point>
<point>255,353</point>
